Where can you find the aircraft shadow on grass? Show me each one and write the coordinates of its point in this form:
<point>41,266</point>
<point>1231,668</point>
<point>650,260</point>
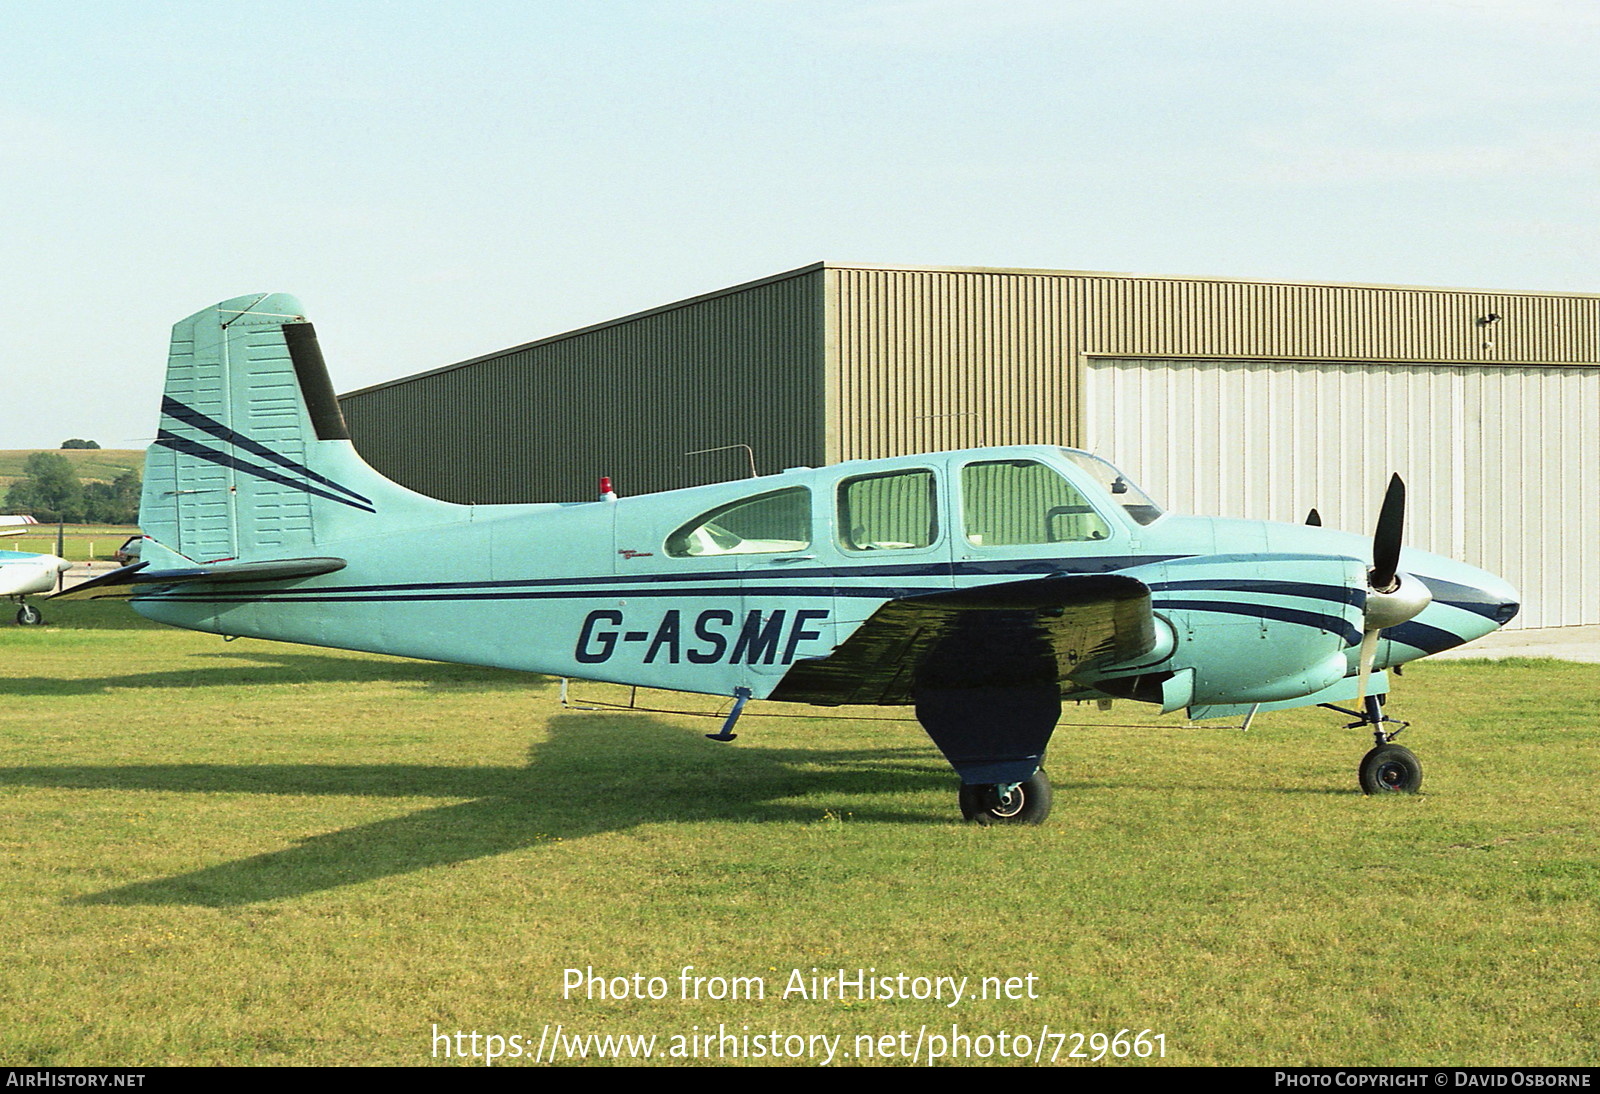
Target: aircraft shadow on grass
<point>585,780</point>
<point>269,666</point>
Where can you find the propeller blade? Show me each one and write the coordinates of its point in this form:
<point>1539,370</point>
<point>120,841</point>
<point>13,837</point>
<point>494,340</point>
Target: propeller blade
<point>1386,539</point>
<point>1369,652</point>
<point>1314,518</point>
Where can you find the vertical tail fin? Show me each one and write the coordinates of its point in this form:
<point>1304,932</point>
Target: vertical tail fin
<point>252,459</point>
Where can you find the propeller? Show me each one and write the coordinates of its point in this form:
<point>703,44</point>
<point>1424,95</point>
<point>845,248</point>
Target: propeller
<point>1392,597</point>
<point>1387,536</point>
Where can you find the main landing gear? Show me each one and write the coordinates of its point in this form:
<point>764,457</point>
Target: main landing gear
<point>1026,802</point>
<point>995,738</point>
<point>1388,768</point>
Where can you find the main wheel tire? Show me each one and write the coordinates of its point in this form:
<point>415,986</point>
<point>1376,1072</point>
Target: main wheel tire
<point>29,616</point>
<point>1390,769</point>
<point>1028,802</point>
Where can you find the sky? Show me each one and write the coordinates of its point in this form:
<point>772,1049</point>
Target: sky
<point>439,181</point>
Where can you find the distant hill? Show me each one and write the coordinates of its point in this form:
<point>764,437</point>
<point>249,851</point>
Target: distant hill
<point>92,464</point>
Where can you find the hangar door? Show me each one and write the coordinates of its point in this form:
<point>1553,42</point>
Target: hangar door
<point>1500,463</point>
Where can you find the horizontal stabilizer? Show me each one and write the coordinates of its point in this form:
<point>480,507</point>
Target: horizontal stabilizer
<point>124,582</point>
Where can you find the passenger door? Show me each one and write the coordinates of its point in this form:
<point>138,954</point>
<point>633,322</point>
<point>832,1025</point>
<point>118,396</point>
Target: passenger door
<point>890,539</point>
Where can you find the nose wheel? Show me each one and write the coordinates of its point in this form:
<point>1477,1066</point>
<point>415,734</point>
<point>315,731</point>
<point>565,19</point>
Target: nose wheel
<point>29,616</point>
<point>1390,769</point>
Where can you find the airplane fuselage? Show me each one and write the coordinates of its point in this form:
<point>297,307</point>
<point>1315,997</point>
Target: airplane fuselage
<point>23,574</point>
<point>642,591</point>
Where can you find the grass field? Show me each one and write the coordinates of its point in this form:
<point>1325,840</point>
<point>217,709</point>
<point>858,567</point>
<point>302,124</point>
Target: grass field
<point>82,542</point>
<point>91,464</point>
<point>253,853</point>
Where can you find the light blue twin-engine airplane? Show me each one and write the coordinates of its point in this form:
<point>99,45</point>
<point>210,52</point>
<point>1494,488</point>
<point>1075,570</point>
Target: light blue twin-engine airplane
<point>980,587</point>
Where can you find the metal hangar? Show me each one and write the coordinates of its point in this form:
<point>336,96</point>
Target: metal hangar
<point>1221,396</point>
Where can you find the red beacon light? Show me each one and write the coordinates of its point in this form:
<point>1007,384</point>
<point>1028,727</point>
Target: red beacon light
<point>606,493</point>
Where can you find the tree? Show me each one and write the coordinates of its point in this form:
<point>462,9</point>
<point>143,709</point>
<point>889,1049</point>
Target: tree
<point>79,442</point>
<point>49,489</point>
<point>115,502</point>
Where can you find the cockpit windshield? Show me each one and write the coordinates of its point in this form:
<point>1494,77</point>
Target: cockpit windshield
<point>1134,501</point>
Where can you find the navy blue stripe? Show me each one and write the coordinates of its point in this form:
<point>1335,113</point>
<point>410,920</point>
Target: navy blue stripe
<point>938,570</point>
<point>508,590</point>
<point>1287,615</point>
<point>224,459</point>
<point>1332,623</point>
<point>1007,568</point>
<point>1469,599</point>
<point>190,416</point>
<point>1044,567</point>
<point>751,579</point>
<point>1423,637</point>
<point>317,597</point>
<point>787,573</point>
<point>1339,594</point>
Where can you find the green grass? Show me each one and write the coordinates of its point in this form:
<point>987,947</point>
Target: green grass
<point>82,542</point>
<point>252,853</point>
<point>91,464</point>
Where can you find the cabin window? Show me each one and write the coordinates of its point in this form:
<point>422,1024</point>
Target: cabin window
<point>1007,503</point>
<point>766,524</point>
<point>888,512</point>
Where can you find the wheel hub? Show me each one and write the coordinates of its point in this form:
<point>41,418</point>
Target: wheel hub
<point>1008,804</point>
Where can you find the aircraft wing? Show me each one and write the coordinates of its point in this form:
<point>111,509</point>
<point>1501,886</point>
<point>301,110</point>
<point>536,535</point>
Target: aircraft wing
<point>124,582</point>
<point>1018,633</point>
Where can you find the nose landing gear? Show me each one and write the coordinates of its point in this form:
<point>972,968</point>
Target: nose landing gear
<point>1388,768</point>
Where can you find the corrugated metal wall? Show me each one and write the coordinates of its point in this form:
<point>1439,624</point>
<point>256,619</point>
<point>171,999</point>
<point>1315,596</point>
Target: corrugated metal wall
<point>1498,461</point>
<point>629,399</point>
<point>1168,317</point>
<point>1532,503</point>
<point>926,360</point>
<point>933,359</point>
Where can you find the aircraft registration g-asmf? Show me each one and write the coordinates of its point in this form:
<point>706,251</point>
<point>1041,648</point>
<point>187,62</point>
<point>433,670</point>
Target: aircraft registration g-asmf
<point>980,587</point>
<point>23,574</point>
